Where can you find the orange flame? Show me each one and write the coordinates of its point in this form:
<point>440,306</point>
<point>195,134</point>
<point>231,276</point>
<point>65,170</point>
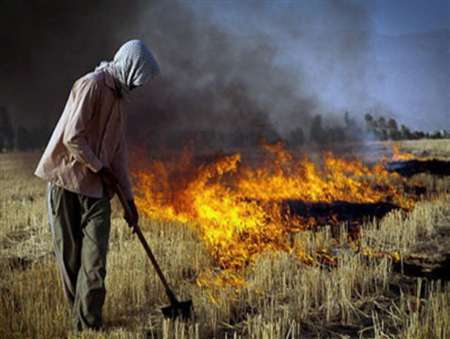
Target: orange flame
<point>236,207</point>
<point>398,155</point>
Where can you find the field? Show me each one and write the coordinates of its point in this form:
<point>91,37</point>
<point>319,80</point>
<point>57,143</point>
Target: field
<point>367,294</point>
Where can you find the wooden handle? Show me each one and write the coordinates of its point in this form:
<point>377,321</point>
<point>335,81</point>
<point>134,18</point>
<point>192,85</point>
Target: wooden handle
<point>137,230</point>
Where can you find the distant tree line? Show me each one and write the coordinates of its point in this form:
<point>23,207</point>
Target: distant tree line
<point>380,128</point>
<point>387,129</point>
<point>20,138</point>
<point>321,134</point>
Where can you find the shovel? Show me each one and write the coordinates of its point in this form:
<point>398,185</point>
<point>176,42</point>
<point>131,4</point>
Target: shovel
<point>176,309</point>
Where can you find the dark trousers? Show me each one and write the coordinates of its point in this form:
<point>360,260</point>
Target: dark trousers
<point>80,227</point>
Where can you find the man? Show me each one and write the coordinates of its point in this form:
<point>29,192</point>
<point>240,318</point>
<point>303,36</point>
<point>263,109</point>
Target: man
<point>85,159</point>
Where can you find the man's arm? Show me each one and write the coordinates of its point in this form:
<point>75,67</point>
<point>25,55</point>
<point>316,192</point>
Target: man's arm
<point>120,169</point>
<point>83,99</point>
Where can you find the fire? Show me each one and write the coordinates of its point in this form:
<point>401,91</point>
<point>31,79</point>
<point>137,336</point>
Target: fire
<point>302,179</point>
<point>235,206</point>
<point>398,155</point>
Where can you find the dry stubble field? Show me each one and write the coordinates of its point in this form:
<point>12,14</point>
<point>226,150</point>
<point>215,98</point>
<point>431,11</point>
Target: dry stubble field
<point>364,296</point>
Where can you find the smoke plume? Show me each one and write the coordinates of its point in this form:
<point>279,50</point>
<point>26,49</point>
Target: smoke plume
<point>234,68</point>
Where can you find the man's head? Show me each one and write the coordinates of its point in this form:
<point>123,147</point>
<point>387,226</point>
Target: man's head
<point>134,64</point>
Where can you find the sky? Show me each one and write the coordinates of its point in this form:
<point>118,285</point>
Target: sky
<point>392,17</point>
<point>410,16</point>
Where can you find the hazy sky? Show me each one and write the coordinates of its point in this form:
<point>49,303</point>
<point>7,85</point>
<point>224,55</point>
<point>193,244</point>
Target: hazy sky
<point>388,16</point>
<point>400,68</point>
<point>410,16</point>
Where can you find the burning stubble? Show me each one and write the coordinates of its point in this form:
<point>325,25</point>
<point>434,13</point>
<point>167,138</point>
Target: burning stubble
<point>239,210</point>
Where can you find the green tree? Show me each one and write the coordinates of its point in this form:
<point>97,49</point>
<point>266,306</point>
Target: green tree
<point>6,130</point>
<point>369,121</point>
<point>24,139</point>
<point>317,134</point>
<point>381,130</point>
<point>350,123</point>
<point>392,130</point>
<point>336,134</point>
<point>405,132</point>
<point>296,137</point>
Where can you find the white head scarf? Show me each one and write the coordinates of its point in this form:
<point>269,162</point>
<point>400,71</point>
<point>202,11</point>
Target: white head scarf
<point>133,65</point>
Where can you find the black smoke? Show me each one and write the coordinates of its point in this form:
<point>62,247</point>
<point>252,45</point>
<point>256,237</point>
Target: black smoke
<point>248,74</point>
<point>234,68</point>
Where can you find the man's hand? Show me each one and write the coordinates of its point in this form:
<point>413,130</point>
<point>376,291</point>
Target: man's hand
<point>132,217</point>
<point>108,178</point>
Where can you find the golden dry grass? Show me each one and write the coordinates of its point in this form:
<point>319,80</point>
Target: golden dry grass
<point>437,148</point>
<point>282,298</point>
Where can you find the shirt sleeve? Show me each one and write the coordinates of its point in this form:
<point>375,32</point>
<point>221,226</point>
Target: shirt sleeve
<point>120,167</point>
<point>84,94</point>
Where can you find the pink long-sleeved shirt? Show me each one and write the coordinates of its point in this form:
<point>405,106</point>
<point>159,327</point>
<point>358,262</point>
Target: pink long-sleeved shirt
<point>90,134</point>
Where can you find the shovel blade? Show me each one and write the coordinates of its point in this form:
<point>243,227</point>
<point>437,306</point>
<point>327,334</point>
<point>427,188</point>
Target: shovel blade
<point>181,309</point>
